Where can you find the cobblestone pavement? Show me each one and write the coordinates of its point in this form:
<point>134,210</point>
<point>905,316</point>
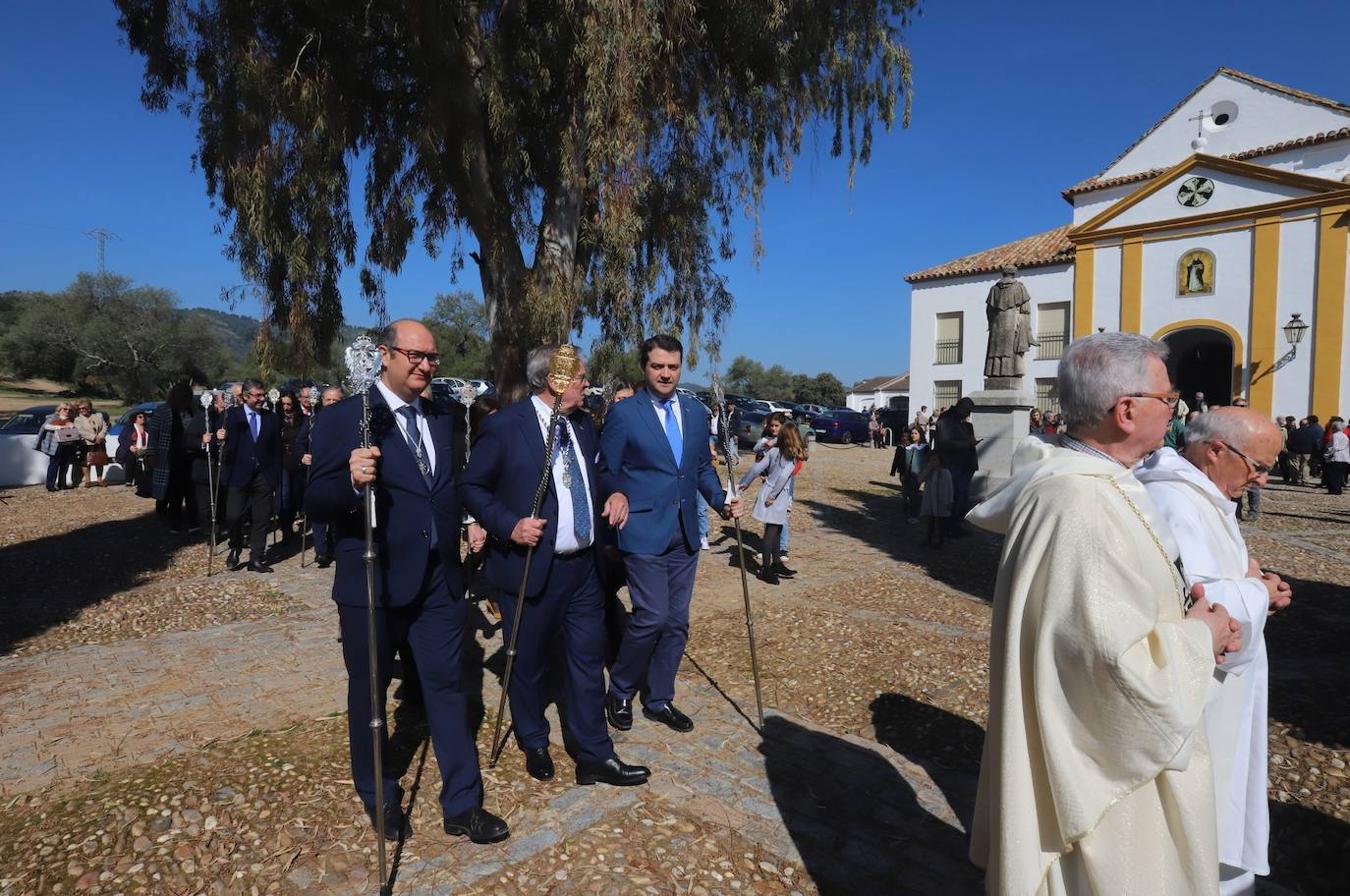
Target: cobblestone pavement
<point>874,661</point>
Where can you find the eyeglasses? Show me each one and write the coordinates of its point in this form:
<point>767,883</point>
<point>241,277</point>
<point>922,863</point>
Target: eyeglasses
<point>415,357</point>
<point>1168,398</point>
<point>1259,468</point>
<point>257,395</point>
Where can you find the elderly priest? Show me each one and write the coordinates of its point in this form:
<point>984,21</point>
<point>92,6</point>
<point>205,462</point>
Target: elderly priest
<point>1228,450</point>
<point>1095,776</point>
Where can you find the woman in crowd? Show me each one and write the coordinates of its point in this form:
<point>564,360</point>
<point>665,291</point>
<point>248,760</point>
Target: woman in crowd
<point>937,498</point>
<point>93,430</point>
<point>131,449</point>
<point>59,447</point>
<point>1037,424</point>
<point>1337,457</point>
<point>909,462</point>
<point>291,493</point>
<point>774,501</point>
<point>768,438</point>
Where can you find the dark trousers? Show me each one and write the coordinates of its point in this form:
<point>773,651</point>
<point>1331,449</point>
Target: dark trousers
<point>58,467</point>
<point>434,626</point>
<point>913,500</point>
<point>1334,476</point>
<point>572,609</point>
<point>323,541</point>
<point>255,499</point>
<point>180,498</point>
<point>960,498</point>
<point>661,586</point>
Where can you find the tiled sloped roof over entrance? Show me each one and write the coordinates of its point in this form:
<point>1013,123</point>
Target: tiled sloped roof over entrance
<point>1050,247</point>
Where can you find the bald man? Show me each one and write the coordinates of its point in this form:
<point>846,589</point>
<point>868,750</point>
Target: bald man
<point>1228,450</point>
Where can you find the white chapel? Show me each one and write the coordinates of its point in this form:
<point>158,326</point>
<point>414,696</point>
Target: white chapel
<point>1222,231</point>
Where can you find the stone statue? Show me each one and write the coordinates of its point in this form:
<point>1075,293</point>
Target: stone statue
<point>1008,309</point>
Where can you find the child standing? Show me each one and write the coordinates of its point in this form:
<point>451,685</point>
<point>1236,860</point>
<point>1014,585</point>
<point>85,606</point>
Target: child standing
<point>774,501</point>
<point>937,498</point>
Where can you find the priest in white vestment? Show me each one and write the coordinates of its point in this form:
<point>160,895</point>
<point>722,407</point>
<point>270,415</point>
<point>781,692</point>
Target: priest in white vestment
<point>1228,451</point>
<point>1095,777</point>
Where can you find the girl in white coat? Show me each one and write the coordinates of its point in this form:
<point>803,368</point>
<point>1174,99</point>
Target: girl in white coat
<point>774,501</point>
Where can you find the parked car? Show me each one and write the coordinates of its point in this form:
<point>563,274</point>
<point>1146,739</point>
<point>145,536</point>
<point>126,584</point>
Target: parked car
<point>147,408</point>
<point>781,407</point>
<point>443,393</point>
<point>752,424</point>
<point>804,412</point>
<point>754,404</point>
<point>840,425</point>
<point>20,463</point>
<point>484,387</point>
<point>448,382</point>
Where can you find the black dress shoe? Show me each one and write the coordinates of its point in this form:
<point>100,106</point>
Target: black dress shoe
<point>619,712</point>
<point>782,569</point>
<point>479,825</point>
<point>258,566</point>
<point>232,560</point>
<point>538,763</point>
<point>322,560</point>
<point>394,820</point>
<point>670,716</point>
<point>612,771</point>
<point>768,576</point>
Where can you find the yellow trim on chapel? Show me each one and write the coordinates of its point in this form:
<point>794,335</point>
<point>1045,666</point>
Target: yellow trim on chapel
<point>1131,285</point>
<point>1082,291</point>
<point>1249,170</point>
<point>1263,332</point>
<point>1206,323</point>
<point>1329,318</point>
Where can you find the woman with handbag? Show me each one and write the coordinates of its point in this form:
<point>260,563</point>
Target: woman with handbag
<point>57,440</point>
<point>93,430</point>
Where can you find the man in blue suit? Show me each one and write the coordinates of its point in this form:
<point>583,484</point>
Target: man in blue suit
<point>655,446</point>
<point>250,467</point>
<point>563,594</point>
<point>304,454</point>
<point>419,585</point>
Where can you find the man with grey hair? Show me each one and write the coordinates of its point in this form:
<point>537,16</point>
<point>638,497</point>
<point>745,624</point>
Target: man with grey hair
<point>1228,451</point>
<point>1095,776</point>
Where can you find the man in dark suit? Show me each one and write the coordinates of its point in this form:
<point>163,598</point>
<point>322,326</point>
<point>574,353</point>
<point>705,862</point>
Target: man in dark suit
<point>304,454</point>
<point>419,585</point>
<point>563,594</point>
<point>655,446</point>
<point>250,467</point>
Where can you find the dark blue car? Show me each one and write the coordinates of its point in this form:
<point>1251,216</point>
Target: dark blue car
<point>838,425</point>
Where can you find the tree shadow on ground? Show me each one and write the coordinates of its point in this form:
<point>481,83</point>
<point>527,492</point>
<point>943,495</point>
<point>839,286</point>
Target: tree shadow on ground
<point>1308,850</point>
<point>858,825</point>
<point>968,564</point>
<point>49,580</point>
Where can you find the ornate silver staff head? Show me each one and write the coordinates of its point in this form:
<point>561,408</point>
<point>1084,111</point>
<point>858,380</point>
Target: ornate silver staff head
<point>467,394</point>
<point>717,395</point>
<point>226,398</point>
<point>208,396</point>
<point>362,359</point>
<point>273,396</point>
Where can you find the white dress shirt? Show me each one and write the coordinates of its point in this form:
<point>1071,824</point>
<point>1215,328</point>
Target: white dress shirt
<point>566,541</point>
<point>660,405</point>
<point>395,403</point>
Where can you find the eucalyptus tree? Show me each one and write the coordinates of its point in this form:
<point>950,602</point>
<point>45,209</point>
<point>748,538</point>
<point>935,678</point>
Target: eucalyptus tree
<point>587,155</point>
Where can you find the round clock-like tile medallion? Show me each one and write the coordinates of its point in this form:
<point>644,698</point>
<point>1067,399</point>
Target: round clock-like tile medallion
<point>1195,191</point>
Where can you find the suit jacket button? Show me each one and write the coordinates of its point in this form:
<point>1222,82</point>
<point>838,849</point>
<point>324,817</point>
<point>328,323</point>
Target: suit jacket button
<point>426,534</point>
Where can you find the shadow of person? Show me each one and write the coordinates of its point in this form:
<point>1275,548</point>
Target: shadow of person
<point>1305,644</point>
<point>944,745</point>
<point>1308,850</point>
<point>858,824</point>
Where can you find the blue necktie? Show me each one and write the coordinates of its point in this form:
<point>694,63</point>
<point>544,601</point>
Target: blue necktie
<point>414,435</point>
<point>581,507</point>
<point>253,424</point>
<point>673,432</point>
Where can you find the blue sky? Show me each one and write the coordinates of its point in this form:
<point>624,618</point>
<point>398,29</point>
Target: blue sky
<point>1012,103</point>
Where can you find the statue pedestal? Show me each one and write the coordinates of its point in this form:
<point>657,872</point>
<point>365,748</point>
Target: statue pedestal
<point>1002,418</point>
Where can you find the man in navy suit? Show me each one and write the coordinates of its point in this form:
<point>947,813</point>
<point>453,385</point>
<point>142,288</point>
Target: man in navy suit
<point>655,446</point>
<point>563,594</point>
<point>419,585</point>
<point>304,454</point>
<point>250,467</point>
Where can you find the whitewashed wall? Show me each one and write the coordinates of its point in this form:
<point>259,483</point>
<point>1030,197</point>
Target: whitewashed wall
<point>1295,294</point>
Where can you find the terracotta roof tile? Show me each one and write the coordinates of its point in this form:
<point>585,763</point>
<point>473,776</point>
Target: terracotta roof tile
<point>888,383</point>
<point>1097,182</point>
<point>1051,247</point>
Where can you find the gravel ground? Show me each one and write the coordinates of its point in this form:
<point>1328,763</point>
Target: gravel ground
<point>878,636</point>
<point>103,568</point>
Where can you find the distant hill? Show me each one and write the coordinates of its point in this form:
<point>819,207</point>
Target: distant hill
<point>235,331</point>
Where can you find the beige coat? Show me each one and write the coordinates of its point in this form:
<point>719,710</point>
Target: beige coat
<point>92,429</point>
<point>1095,776</point>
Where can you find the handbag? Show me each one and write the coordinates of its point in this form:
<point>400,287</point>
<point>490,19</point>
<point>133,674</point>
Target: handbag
<point>66,435</point>
<point>98,454</point>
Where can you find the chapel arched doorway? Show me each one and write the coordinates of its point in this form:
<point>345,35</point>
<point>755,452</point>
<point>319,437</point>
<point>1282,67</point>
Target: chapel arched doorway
<point>1201,360</point>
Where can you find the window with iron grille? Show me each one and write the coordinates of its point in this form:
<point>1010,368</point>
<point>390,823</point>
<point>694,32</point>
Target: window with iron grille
<point>949,333</point>
<point>1047,395</point>
<point>945,393</point>
<point>1052,330</point>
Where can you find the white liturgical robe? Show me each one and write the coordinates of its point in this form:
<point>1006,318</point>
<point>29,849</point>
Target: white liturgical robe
<point>1204,523</point>
<point>1095,777</point>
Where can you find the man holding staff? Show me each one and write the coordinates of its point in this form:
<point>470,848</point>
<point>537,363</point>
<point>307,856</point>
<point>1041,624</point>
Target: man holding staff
<point>419,586</point>
<point>562,583</point>
<point>655,445</point>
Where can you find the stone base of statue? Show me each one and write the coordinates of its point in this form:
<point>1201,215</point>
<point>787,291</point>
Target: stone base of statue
<point>1001,418</point>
